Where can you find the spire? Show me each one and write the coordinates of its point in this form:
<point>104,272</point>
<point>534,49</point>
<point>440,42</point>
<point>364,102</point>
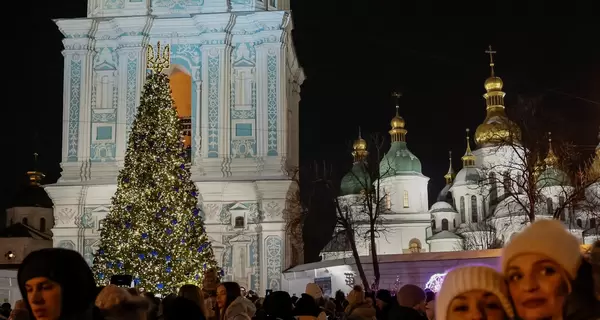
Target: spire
<point>35,177</point>
<point>468,159</point>
<point>496,129</point>
<point>359,147</point>
<point>449,176</point>
<point>551,159</point>
<point>491,53</point>
<point>398,133</point>
<point>538,167</point>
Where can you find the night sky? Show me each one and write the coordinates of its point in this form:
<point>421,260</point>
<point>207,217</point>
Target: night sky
<point>354,57</point>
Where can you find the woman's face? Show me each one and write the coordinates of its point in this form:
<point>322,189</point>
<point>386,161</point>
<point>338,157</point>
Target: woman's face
<point>476,304</point>
<point>221,297</point>
<point>44,297</point>
<point>537,286</point>
<point>430,310</point>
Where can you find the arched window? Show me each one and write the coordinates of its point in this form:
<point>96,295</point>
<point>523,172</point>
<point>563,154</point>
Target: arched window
<point>561,203</point>
<point>433,226</point>
<point>414,246</point>
<point>474,215</point>
<point>579,223</point>
<point>25,221</point>
<point>42,224</point>
<point>444,224</point>
<point>493,188</point>
<point>506,183</point>
<point>549,206</point>
<point>388,201</point>
<point>593,223</point>
<point>405,199</point>
<point>181,92</point>
<point>454,223</point>
<point>239,222</point>
<point>462,210</point>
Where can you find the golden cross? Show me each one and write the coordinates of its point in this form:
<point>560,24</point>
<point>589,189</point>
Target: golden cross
<point>491,53</point>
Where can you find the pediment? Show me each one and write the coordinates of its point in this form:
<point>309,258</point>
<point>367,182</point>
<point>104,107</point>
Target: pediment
<point>101,209</point>
<point>215,244</point>
<point>244,63</point>
<point>240,238</point>
<point>105,66</point>
<point>238,206</point>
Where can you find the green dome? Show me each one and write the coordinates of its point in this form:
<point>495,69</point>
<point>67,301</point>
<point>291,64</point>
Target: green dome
<point>398,161</point>
<point>355,180</point>
<point>553,177</point>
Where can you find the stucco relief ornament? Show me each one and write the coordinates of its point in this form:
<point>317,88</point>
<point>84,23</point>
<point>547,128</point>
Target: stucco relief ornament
<point>273,209</point>
<point>66,215</point>
<point>157,60</point>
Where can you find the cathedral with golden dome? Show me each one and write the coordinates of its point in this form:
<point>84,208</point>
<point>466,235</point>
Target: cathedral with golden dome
<point>481,206</point>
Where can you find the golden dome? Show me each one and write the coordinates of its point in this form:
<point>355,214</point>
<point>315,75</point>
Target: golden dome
<point>397,122</point>
<point>497,131</point>
<point>359,144</point>
<point>493,83</point>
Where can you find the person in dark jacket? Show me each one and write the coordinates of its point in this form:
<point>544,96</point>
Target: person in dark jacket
<point>409,304</point>
<point>384,302</point>
<point>57,284</point>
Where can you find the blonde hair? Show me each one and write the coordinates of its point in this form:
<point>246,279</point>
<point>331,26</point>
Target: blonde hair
<point>194,294</point>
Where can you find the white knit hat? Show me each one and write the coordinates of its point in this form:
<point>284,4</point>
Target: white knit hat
<point>548,238</point>
<point>467,278</point>
<point>313,290</point>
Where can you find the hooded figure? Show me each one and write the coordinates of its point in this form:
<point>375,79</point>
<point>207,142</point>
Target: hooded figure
<point>57,284</point>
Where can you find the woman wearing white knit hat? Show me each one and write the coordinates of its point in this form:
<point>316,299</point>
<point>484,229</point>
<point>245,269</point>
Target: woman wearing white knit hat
<point>539,264</point>
<point>473,292</point>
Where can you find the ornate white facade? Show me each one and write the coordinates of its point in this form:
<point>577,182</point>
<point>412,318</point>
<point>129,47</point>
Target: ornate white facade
<point>243,91</point>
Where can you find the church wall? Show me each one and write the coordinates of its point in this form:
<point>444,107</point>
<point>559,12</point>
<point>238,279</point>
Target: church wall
<point>34,216</point>
<point>408,193</point>
<point>401,269</point>
<point>9,287</point>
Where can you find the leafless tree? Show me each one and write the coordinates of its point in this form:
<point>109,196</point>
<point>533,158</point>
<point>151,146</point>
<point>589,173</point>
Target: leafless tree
<point>295,213</point>
<point>539,160</point>
<point>358,217</point>
<point>482,235</point>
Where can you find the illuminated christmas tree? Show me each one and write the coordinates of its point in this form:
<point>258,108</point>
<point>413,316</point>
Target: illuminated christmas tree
<point>154,230</point>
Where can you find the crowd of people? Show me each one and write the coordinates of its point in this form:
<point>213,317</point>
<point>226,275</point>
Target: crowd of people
<point>542,276</point>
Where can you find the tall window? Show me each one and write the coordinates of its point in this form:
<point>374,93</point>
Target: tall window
<point>474,208</point>
<point>561,203</point>
<point>549,206</point>
<point>433,226</point>
<point>405,199</point>
<point>388,201</point>
<point>593,223</point>
<point>493,188</point>
<point>579,223</point>
<point>239,222</point>
<point>462,210</point>
<point>506,182</point>
<point>444,224</point>
<point>42,224</point>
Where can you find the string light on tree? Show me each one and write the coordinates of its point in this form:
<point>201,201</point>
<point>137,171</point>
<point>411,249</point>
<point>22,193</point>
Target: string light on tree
<point>154,230</point>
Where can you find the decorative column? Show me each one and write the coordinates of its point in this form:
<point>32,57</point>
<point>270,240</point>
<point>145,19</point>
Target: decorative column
<point>68,208</point>
<point>79,52</point>
<point>272,107</point>
<point>131,50</point>
<point>215,112</point>
<point>272,200</point>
